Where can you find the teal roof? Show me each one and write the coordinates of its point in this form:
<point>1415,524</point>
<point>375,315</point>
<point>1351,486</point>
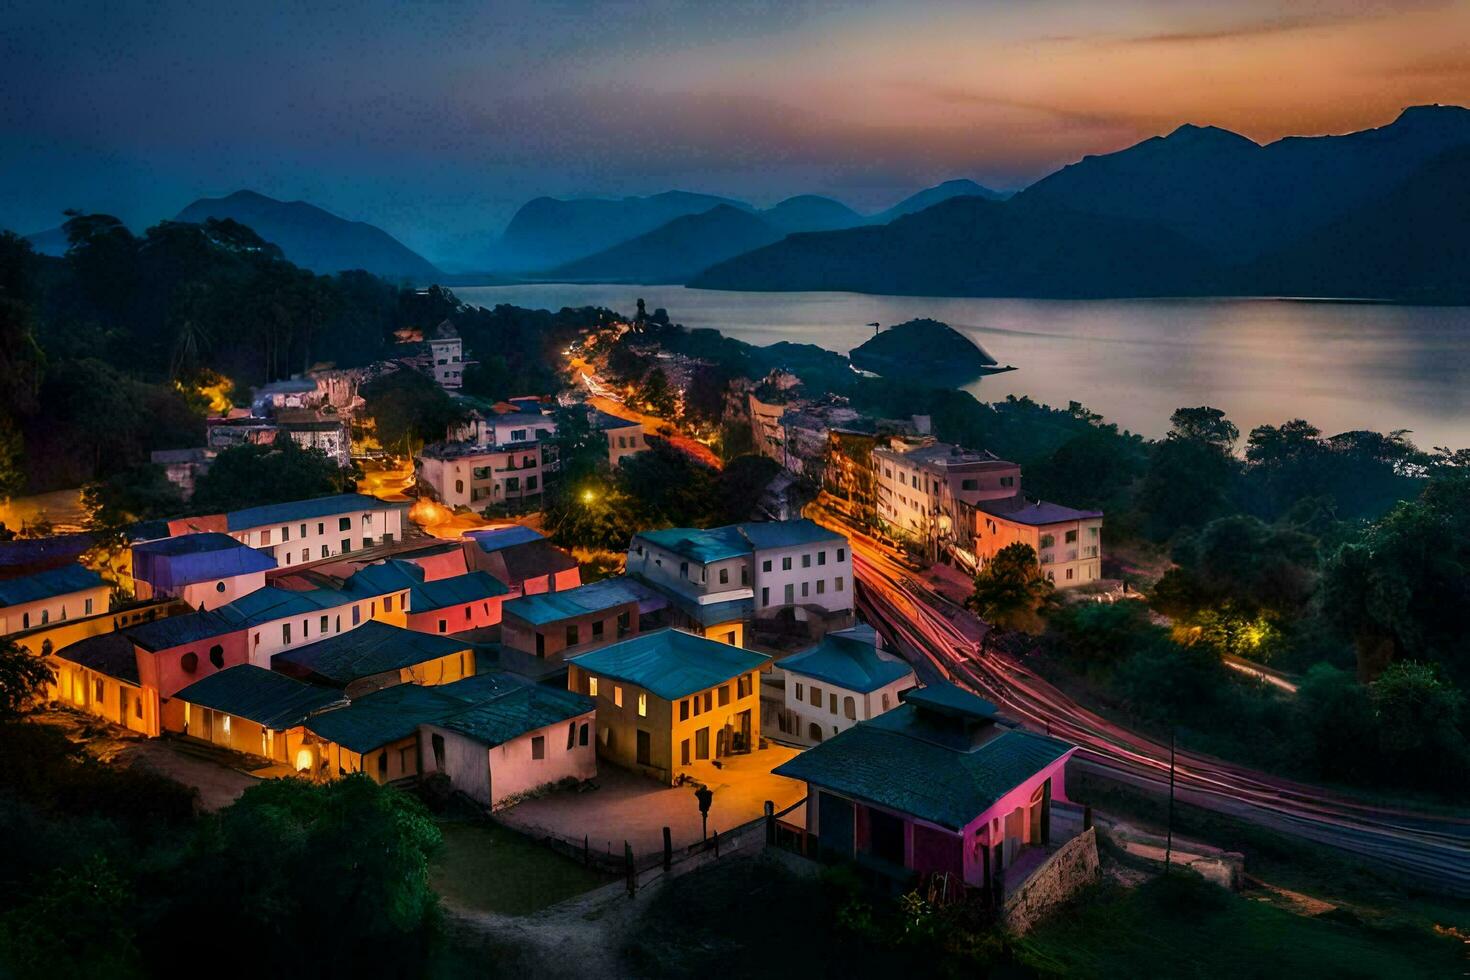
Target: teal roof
<point>48,585</point>
<point>848,659</point>
<point>385,716</point>
<point>548,607</point>
<point>670,663</point>
<point>696,544</point>
<point>374,647</point>
<point>947,699</point>
<point>884,762</point>
<point>789,534</point>
<point>425,596</point>
<point>304,510</point>
<point>265,697</point>
<point>517,712</point>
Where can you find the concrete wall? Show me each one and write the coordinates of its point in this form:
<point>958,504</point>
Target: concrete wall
<point>56,609</point>
<point>119,702</point>
<point>297,542</point>
<point>520,635</point>
<point>820,575</point>
<point>831,715</point>
<point>269,639</point>
<point>1067,564</point>
<point>210,595</point>
<point>496,775</point>
<point>455,619</point>
<point>625,441</point>
<point>698,581</point>
<point>445,670</point>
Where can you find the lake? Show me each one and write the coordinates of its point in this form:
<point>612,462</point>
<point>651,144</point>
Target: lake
<point>1341,366</point>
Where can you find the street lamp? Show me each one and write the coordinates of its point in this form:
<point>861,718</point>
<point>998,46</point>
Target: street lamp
<point>588,496</point>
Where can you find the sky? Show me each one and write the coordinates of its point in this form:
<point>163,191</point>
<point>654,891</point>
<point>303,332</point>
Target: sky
<point>436,120</point>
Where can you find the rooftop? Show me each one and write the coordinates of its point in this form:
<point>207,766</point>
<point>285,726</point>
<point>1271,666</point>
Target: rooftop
<point>497,538</point>
<point>265,697</point>
<point>606,420</point>
<point>472,450</point>
<point>732,540</point>
<point>394,575</point>
<point>1037,514</point>
<point>444,331</point>
<point>191,558</point>
<point>376,719</point>
<point>548,607</point>
<point>48,584</point>
<point>517,711</point>
<point>670,663</point>
<point>373,648</point>
<point>264,605</point>
<point>848,659</point>
<point>893,761</point>
<point>107,653</point>
<point>942,454</point>
<point>788,534</point>
<point>302,510</point>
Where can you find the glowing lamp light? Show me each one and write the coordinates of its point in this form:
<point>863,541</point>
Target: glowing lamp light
<point>588,496</point>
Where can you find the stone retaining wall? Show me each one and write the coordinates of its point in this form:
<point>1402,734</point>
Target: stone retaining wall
<point>1074,865</point>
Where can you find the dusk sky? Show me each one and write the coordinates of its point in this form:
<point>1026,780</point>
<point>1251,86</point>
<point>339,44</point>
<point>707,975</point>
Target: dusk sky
<point>438,120</point>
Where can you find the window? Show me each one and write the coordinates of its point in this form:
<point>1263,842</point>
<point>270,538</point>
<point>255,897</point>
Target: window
<point>573,635</point>
<point>459,486</point>
<point>99,692</point>
<point>645,748</point>
<point>344,523</point>
<point>849,708</point>
<point>724,576</point>
<point>806,561</point>
<point>530,483</point>
<point>285,632</point>
<point>356,615</point>
<point>625,621</point>
<point>618,695</point>
<point>265,537</point>
<point>805,588</point>
<point>743,685</point>
<point>816,693</point>
<point>571,735</point>
<point>885,700</point>
<point>137,707</point>
<point>1048,540</point>
<point>766,565</point>
<point>346,545</point>
<point>696,701</point>
<point>786,564</point>
<point>790,593</point>
<point>387,608</point>
<point>582,734</point>
<point>821,558</point>
<point>321,527</point>
<point>1072,537</point>
<point>1069,575</point>
<point>765,596</point>
<point>323,628</point>
<point>709,701</point>
<point>189,662</point>
<point>325,551</point>
<point>821,586</point>
<point>538,746</point>
<point>443,625</point>
<point>286,534</point>
<point>217,656</point>
<point>683,569</point>
<point>598,628</point>
<point>1007,481</point>
<point>701,744</point>
<point>724,694</point>
<point>799,691</point>
<point>832,703</point>
<point>969,484</point>
<point>684,710</point>
<point>592,686</point>
<point>684,752</point>
<point>842,554</point>
<point>642,705</point>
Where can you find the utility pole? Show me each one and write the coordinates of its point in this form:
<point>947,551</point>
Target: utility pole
<point>876,327</point>
<point>1169,839</point>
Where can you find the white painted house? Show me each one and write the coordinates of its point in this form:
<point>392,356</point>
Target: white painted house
<point>52,596</point>
<point>845,679</point>
<point>302,531</point>
<point>446,351</point>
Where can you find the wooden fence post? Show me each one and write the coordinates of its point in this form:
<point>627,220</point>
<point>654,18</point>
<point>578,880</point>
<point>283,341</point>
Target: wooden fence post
<point>668,849</point>
<point>770,823</point>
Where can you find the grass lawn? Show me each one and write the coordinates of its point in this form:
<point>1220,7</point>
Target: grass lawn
<point>1182,927</point>
<point>488,868</point>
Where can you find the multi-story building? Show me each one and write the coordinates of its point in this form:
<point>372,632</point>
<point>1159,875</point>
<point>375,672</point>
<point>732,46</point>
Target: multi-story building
<point>303,531</point>
<point>1067,542</point>
<point>624,436</point>
<point>68,592</point>
<point>845,679</point>
<point>488,428</point>
<point>507,477</point>
<point>924,493</point>
<point>552,626</point>
<point>207,570</point>
<point>669,701</point>
<point>446,352</point>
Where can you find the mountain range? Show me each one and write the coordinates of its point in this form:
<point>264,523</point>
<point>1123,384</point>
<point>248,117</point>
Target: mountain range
<point>316,239</point>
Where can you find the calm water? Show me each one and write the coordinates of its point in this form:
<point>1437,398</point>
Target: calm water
<point>1340,366</point>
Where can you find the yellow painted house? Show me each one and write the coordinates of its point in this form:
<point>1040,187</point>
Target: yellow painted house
<point>377,655</point>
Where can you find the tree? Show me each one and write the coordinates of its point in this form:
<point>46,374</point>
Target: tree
<point>1419,716</point>
<point>670,485</point>
<point>1333,712</point>
<point>22,675</point>
<point>143,493</point>
<point>1011,591</point>
<point>1191,473</point>
<point>410,409</point>
<point>657,395</point>
<point>247,476</point>
<point>1170,681</point>
<point>581,449</point>
<point>738,487</point>
<point>1102,634</point>
<point>1204,425</point>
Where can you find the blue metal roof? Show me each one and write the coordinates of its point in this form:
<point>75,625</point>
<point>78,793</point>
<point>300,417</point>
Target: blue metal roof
<point>548,607</point>
<point>191,558</point>
<point>107,653</point>
<point>252,609</point>
<point>265,697</point>
<point>384,716</point>
<point>670,663</point>
<point>516,713</point>
<point>48,584</point>
<point>302,510</point>
<point>425,596</point>
<point>373,648</point>
<point>788,534</point>
<point>504,537</point>
<point>698,544</point>
<point>848,659</point>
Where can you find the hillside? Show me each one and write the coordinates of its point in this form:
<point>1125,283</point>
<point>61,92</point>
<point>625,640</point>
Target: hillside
<point>675,251</point>
<point>315,239</point>
<point>931,196</point>
<point>810,212</point>
<point>923,351</point>
<point>548,232</point>
<point>969,246</point>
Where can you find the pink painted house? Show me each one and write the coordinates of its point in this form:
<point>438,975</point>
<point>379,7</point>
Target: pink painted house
<point>938,785</point>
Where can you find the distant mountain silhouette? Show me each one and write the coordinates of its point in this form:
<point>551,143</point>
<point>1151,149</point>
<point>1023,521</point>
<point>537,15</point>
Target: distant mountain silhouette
<point>549,232</point>
<point>676,250</point>
<point>931,196</point>
<point>970,246</point>
<point>316,239</point>
<point>810,212</point>
<point>1200,211</point>
<point>1242,199</point>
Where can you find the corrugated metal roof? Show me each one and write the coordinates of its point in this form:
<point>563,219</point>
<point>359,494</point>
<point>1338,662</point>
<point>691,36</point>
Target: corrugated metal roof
<point>107,653</point>
<point>191,558</point>
<point>548,607</point>
<point>497,538</point>
<point>670,663</point>
<point>516,713</point>
<point>301,510</point>
<point>698,544</point>
<point>394,575</point>
<point>848,659</point>
<point>263,696</point>
<point>374,647</point>
<point>385,716</point>
<point>48,584</point>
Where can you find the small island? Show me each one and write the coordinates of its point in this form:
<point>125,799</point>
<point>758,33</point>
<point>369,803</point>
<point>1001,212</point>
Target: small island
<point>927,351</point>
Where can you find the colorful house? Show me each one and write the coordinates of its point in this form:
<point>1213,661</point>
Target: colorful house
<point>524,738</point>
<point>552,626</point>
<point>669,700</point>
<point>249,709</point>
<point>938,785</point>
<point>205,570</point>
<point>303,531</point>
<point>845,679</point>
<point>54,595</point>
<point>1067,541</point>
<point>99,675</point>
<point>441,605</point>
<point>523,559</point>
<point>378,655</point>
<point>624,436</point>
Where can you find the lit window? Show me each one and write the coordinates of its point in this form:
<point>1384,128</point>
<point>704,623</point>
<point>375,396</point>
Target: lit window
<point>642,705</point>
<point>592,686</point>
<point>618,695</point>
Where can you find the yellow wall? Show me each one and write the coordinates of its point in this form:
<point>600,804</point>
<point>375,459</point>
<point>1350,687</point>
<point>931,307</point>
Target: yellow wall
<point>445,670</point>
<point>732,632</point>
<point>120,703</point>
<point>243,735</point>
<point>402,756</point>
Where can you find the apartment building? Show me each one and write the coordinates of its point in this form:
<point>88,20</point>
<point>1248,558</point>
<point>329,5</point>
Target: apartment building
<point>507,477</point>
<point>303,531</point>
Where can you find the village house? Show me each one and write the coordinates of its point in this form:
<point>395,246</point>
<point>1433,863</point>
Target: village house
<point>939,785</point>
<point>828,688</point>
<point>1067,542</point>
<point>624,436</point>
<point>249,709</point>
<point>554,625</point>
<point>446,353</point>
<point>206,570</point>
<point>506,477</point>
<point>452,604</point>
<point>487,428</point>
<point>523,559</point>
<point>378,655</point>
<point>304,531</point>
<point>53,595</point>
<point>668,701</point>
<point>525,738</point>
<point>99,675</point>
